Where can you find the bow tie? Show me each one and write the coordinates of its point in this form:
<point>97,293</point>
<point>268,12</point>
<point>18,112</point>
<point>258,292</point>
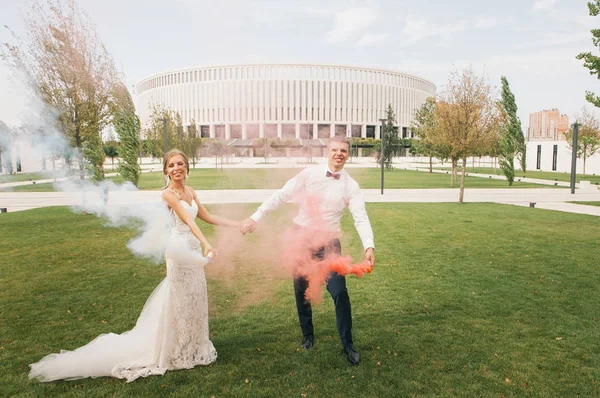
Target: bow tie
<point>334,175</point>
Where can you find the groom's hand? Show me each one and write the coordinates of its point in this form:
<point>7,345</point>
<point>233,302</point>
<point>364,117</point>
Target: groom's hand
<point>248,225</point>
<point>370,256</point>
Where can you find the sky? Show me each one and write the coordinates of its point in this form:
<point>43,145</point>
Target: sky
<point>531,42</point>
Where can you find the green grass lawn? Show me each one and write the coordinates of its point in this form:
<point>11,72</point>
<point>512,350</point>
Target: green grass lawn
<point>367,178</point>
<point>542,175</point>
<point>25,176</point>
<point>472,300</point>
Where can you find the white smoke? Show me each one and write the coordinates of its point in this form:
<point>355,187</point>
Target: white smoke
<point>33,123</point>
<point>121,205</point>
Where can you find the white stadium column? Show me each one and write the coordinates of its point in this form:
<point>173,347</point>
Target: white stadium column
<point>279,130</point>
<point>261,130</point>
<point>363,131</point>
<point>348,130</point>
<point>244,131</point>
<point>332,130</point>
<point>212,131</point>
<point>227,131</point>
<point>298,131</point>
<point>315,131</point>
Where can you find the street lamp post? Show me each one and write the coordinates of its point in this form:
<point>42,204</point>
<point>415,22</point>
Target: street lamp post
<point>574,157</point>
<point>382,149</point>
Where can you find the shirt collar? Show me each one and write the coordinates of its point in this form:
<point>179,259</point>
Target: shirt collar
<point>331,171</point>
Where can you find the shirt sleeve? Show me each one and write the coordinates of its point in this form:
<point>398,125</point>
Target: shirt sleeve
<point>283,195</point>
<point>356,205</point>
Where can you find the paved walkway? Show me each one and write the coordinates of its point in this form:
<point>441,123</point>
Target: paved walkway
<point>545,198</point>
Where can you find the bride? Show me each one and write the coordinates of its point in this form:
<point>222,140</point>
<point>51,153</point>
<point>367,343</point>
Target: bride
<point>172,330</point>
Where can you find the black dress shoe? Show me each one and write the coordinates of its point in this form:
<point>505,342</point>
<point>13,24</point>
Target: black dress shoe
<point>308,341</point>
<point>352,355</point>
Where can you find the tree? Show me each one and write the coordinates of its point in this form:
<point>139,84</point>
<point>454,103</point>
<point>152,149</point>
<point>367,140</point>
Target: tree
<point>588,137</point>
<point>468,119</point>
<point>423,125</point>
<point>127,126</point>
<point>392,144</point>
<point>218,149</point>
<point>68,67</point>
<point>193,143</point>
<point>591,61</point>
<point>175,133</point>
<point>111,150</point>
<point>94,155</point>
<point>512,142</point>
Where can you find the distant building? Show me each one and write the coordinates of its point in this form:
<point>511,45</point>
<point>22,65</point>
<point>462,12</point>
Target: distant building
<point>548,148</point>
<point>285,100</point>
<point>547,125</point>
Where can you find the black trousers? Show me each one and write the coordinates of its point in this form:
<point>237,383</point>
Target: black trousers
<point>336,286</point>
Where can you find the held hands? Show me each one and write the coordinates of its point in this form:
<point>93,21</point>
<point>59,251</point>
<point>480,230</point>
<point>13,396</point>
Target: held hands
<point>370,256</point>
<point>248,225</point>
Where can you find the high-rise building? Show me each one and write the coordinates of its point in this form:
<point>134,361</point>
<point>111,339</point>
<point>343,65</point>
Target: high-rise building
<point>547,125</point>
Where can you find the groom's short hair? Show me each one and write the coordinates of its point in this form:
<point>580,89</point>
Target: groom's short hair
<point>339,138</point>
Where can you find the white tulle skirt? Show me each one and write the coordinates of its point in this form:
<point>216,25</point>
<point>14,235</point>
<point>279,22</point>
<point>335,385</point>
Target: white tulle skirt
<point>170,333</point>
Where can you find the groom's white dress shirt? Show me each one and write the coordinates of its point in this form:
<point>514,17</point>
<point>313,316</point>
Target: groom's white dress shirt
<point>322,202</point>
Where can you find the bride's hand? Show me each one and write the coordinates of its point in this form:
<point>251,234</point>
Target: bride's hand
<point>208,250</point>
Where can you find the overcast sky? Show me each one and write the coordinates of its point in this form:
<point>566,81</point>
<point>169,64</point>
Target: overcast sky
<point>531,42</point>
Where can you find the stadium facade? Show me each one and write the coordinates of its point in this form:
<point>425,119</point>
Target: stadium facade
<point>284,100</point>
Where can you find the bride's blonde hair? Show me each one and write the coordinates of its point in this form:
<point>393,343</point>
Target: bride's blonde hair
<point>168,157</point>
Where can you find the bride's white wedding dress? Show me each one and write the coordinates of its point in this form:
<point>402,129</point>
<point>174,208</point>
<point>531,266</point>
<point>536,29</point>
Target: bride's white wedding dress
<point>171,332</point>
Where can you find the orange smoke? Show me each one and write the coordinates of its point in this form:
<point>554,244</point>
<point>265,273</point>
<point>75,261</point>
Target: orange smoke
<point>322,269</point>
<point>299,246</point>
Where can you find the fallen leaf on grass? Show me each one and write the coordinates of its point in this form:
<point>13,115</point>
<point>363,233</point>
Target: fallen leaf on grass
<point>559,338</point>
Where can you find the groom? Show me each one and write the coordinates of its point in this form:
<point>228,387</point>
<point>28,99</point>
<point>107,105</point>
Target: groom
<point>336,191</point>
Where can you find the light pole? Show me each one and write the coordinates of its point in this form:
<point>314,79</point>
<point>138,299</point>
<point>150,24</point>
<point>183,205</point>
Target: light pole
<point>574,157</point>
<point>382,149</point>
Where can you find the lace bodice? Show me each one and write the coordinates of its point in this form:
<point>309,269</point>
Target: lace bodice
<point>179,226</point>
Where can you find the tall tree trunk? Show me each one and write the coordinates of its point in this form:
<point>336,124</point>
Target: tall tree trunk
<point>461,193</point>
<point>453,178</point>
<point>584,158</point>
<point>431,164</point>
